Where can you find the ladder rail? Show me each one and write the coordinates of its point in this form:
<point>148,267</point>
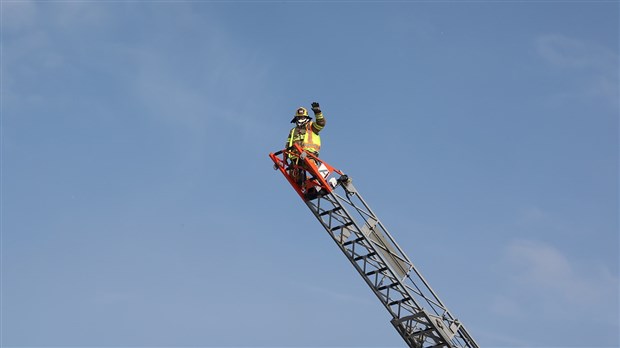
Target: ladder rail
<point>434,301</point>
<point>373,252</point>
<point>381,269</point>
<point>401,304</point>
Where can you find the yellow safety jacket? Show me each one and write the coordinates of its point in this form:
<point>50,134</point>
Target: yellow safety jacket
<point>309,140</point>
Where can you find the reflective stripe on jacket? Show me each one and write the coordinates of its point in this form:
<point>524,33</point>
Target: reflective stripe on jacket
<point>309,140</point>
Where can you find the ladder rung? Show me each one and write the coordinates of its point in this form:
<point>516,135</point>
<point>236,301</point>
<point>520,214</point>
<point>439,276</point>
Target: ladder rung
<point>387,286</point>
<point>330,211</point>
<point>365,256</point>
<point>405,299</point>
<point>341,226</point>
<point>356,240</point>
<point>422,332</point>
<point>377,271</point>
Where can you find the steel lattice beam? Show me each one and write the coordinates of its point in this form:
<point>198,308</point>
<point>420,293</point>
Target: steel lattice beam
<point>418,314</point>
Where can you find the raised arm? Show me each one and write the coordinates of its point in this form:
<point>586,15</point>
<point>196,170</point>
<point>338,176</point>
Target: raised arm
<point>319,123</point>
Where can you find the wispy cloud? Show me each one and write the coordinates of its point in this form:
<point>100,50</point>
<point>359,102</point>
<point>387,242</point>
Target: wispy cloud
<point>541,271</point>
<point>18,15</point>
<point>569,52</point>
<point>38,40</point>
<point>197,74</point>
<point>544,287</point>
<point>543,267</point>
<point>599,64</point>
<point>183,74</point>
<point>338,296</point>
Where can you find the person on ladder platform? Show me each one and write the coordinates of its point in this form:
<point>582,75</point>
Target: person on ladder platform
<point>306,134</point>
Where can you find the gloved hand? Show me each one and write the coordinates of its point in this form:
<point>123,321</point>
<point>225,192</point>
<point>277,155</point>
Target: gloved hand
<point>316,108</point>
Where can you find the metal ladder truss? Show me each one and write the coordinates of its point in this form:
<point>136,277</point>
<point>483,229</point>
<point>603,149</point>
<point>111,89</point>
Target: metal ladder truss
<point>418,314</point>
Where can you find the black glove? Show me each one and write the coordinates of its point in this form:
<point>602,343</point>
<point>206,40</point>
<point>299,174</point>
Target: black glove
<point>316,108</point>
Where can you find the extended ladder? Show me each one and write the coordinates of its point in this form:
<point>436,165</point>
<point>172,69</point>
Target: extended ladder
<point>418,315</point>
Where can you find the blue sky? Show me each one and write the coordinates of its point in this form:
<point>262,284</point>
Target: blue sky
<point>139,207</point>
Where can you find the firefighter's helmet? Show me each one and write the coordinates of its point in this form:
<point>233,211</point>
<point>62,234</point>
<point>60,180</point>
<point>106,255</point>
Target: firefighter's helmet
<point>300,112</point>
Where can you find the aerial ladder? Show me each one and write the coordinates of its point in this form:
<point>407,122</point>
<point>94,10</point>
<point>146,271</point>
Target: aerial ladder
<point>419,316</point>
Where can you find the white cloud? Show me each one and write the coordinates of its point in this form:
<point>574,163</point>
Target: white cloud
<point>568,52</point>
<point>598,65</point>
<point>210,76</point>
<point>192,70</point>
<point>79,13</point>
<point>36,41</point>
<point>338,296</point>
<point>505,306</point>
<point>502,340</point>
<point>25,15</point>
<point>18,15</point>
<point>533,214</point>
<point>540,286</point>
<point>582,285</point>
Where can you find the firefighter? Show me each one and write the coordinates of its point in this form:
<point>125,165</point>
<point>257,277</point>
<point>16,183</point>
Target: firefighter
<point>306,134</point>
